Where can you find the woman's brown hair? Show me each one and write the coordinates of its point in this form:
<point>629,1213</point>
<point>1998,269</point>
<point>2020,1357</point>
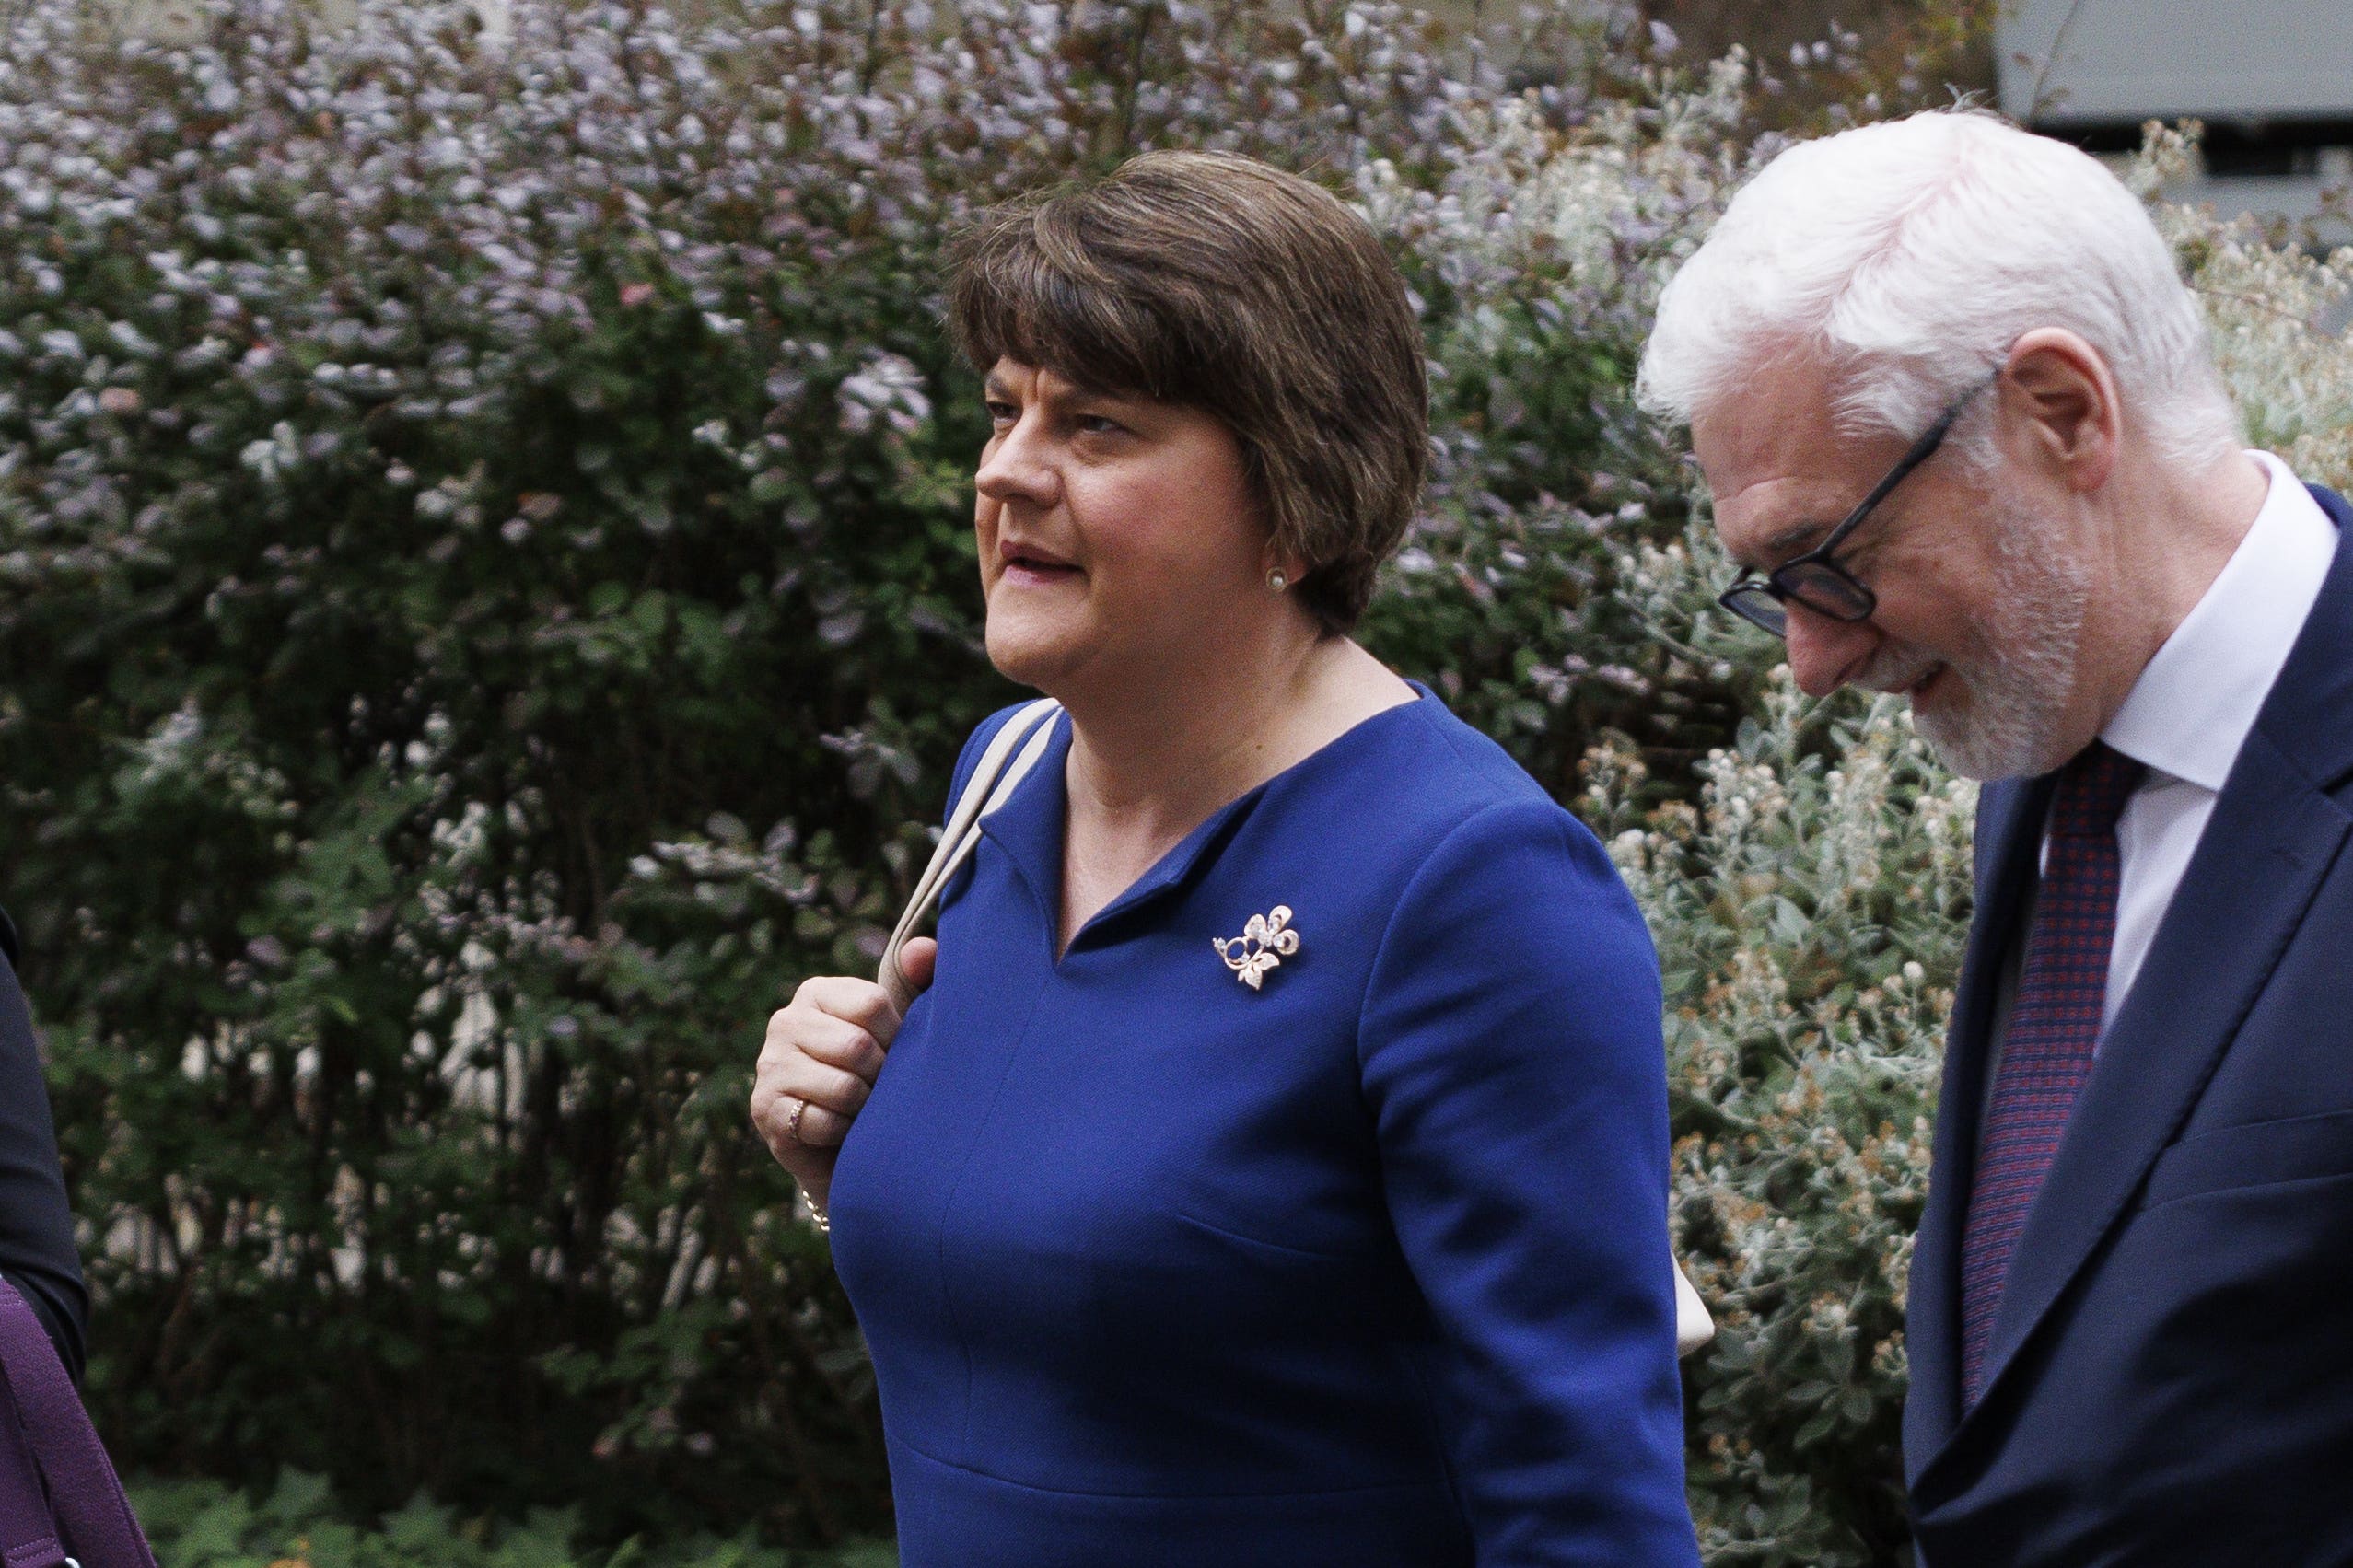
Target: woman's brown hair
<point>1227,285</point>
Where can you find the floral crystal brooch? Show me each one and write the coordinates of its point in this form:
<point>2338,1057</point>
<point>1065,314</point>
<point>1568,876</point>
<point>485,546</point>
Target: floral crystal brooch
<point>1263,944</point>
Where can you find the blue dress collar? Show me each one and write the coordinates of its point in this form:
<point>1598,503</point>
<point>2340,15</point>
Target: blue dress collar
<point>1030,827</point>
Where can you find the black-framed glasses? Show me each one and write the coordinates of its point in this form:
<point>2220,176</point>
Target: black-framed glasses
<point>1814,579</point>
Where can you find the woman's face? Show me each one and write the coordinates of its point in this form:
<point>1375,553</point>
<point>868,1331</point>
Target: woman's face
<point>1119,542</point>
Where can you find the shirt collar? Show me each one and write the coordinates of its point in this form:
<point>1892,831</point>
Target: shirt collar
<point>2190,710</point>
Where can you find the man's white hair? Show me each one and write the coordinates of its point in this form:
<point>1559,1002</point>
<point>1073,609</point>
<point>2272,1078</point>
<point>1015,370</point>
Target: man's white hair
<point>1910,255</point>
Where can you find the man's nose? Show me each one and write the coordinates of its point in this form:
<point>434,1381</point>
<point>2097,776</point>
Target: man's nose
<point>1825,654</point>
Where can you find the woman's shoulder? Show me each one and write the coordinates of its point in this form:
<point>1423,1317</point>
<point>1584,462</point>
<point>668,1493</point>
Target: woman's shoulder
<point>1467,830</point>
<point>1436,777</point>
<point>1417,810</point>
<point>1494,889</point>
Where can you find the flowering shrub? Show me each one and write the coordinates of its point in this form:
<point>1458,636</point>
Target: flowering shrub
<point>2265,301</point>
<point>489,603</point>
<point>488,606</point>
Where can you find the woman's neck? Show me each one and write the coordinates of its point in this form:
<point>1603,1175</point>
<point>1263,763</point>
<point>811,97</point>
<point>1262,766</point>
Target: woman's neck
<point>1165,754</point>
<point>1149,765</point>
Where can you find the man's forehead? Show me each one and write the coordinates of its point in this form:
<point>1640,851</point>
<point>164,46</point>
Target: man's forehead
<point>1778,409</point>
<point>1780,472</point>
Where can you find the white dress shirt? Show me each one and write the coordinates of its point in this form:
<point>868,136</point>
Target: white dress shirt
<point>2189,713</point>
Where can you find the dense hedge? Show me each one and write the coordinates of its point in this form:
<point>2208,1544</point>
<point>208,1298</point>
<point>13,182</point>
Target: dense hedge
<point>486,603</point>
<point>488,599</point>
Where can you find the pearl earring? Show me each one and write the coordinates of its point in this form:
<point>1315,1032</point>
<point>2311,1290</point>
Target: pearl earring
<point>1276,581</point>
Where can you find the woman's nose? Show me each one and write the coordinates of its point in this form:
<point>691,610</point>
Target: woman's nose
<point>1824,653</point>
<point>1015,469</point>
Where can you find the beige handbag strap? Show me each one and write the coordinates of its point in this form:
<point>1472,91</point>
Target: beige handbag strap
<point>1007,761</point>
<point>1694,1327</point>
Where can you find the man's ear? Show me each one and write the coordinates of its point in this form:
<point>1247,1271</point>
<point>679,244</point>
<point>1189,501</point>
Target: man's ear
<point>2061,403</point>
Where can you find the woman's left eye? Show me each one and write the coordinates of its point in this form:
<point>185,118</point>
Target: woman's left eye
<point>1098,424</point>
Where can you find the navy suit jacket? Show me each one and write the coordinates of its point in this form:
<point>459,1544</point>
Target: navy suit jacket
<point>2171,1379</point>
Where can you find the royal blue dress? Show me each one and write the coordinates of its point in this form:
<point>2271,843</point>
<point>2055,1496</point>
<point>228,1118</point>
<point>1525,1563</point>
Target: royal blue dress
<point>1365,1267</point>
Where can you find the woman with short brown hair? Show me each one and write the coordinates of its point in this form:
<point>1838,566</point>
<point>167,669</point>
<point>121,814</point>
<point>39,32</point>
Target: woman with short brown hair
<point>1230,287</point>
<point>1275,1172</point>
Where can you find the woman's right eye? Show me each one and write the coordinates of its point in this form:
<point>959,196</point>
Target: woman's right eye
<point>1003,414</point>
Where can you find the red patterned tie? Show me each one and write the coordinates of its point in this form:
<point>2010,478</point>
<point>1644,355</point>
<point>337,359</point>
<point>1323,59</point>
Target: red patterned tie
<point>2054,1028</point>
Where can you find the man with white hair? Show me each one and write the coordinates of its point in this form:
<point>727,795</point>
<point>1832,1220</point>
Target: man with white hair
<point>1965,434</point>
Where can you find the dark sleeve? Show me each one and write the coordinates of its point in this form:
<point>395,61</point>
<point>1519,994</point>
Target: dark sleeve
<point>37,1251</point>
<point>1512,1058</point>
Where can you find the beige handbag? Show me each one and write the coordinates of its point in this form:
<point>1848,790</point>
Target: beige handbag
<point>1011,753</point>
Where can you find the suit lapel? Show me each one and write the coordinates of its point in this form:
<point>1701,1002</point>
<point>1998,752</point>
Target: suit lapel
<point>2274,835</point>
<point>2010,831</point>
<point>2272,838</point>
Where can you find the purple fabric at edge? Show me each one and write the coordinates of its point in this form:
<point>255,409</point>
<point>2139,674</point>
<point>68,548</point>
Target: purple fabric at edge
<point>85,1499</point>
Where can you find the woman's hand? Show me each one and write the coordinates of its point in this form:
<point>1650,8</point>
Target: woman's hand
<point>818,1064</point>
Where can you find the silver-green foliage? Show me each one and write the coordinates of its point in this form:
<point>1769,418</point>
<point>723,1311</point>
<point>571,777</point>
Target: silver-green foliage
<point>1808,903</point>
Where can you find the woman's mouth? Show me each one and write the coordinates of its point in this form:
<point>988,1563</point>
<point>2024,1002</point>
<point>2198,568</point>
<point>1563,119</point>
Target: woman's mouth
<point>1028,566</point>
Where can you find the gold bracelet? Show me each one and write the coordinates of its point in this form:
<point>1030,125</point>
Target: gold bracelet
<point>816,1216</point>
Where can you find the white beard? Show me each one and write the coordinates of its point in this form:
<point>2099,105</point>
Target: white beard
<point>2020,676</point>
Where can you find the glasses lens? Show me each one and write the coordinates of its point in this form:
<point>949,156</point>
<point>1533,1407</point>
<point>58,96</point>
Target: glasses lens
<point>1825,590</point>
<point>1754,603</point>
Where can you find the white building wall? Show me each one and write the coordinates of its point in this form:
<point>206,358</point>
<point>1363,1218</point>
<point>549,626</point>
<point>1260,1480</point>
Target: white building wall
<point>2272,79</point>
<point>2099,62</point>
